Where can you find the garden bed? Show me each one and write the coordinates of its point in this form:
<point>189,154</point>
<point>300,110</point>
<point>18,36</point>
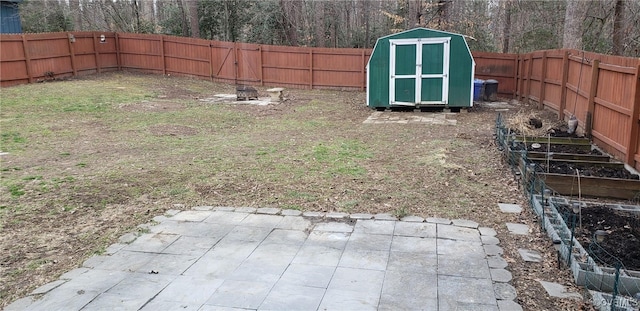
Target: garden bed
<point>571,166</point>
<point>622,227</point>
<point>603,266</point>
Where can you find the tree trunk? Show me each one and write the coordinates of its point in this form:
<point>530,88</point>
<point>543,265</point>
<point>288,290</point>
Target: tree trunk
<point>289,21</point>
<point>618,33</point>
<point>573,18</point>
<point>183,18</point>
<point>413,16</point>
<point>135,5</point>
<point>194,19</point>
<point>366,16</point>
<point>148,13</point>
<point>76,12</point>
<point>443,14</point>
<point>160,12</point>
<point>506,33</point>
<point>320,26</point>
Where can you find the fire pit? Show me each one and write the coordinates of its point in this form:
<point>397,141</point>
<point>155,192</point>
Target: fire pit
<point>245,92</point>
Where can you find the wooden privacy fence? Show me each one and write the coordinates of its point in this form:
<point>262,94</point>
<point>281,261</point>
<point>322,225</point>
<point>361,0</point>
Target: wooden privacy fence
<point>35,57</point>
<point>601,91</point>
<point>28,58</point>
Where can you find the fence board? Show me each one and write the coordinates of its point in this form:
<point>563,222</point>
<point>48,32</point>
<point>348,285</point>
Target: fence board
<point>501,67</point>
<point>14,63</point>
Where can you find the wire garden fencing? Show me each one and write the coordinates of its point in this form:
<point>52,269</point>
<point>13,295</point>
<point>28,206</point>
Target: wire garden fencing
<point>604,277</point>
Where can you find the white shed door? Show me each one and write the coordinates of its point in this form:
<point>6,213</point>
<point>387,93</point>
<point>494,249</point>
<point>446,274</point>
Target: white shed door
<point>419,72</point>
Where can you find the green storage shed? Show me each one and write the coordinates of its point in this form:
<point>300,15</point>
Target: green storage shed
<point>420,68</point>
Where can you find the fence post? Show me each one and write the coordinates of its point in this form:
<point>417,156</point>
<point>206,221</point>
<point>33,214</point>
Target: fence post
<point>72,54</point>
<point>235,62</point>
<point>529,71</point>
<point>261,66</point>
<point>632,144</point>
<point>27,58</point>
<point>520,85</point>
<point>563,85</point>
<point>543,76</point>
<point>363,81</point>
<point>311,68</point>
<point>211,60</point>
<point>118,57</point>
<point>592,95</point>
<point>95,52</point>
<point>164,63</point>
<point>515,76</point>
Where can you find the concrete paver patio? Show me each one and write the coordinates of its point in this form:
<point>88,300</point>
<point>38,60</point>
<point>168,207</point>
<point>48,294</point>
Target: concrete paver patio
<point>239,259</point>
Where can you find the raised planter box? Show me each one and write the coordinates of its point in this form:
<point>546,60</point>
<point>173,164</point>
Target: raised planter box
<point>535,155</point>
<point>626,189</point>
<point>586,271</point>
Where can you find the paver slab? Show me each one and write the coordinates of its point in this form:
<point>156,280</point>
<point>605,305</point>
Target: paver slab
<point>290,212</point>
<point>463,266</point>
<point>413,262</point>
<point>504,291</point>
<point>364,259</point>
<point>521,229</point>
<point>369,242</point>
<point>487,231</point>
<point>375,227</point>
<point>240,294</point>
<point>416,297</point>
<point>293,297</point>
<point>225,217</point>
<point>436,220</point>
<point>457,233</point>
<point>333,227</point>
<point>476,291</point>
<point>501,275</point>
<point>191,216</point>
<point>558,290</point>
<point>508,305</point>
<point>415,229</point>
<point>496,262</point>
<point>308,275</point>
<point>465,223</point>
<point>413,219</point>
<point>530,255</point>
<point>487,239</point>
<point>232,259</point>
<point>510,208</point>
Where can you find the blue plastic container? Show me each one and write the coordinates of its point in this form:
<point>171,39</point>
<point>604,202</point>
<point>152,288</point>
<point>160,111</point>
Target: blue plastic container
<point>478,86</point>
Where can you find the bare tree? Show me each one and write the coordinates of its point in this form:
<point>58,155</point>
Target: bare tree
<point>573,18</point>
<point>290,14</point>
<point>320,28</point>
<point>149,13</point>
<point>76,12</point>
<point>618,33</point>
<point>506,33</point>
<point>194,19</point>
<point>443,14</point>
<point>183,19</point>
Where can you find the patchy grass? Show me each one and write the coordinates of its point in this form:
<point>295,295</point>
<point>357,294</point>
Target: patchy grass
<point>91,159</point>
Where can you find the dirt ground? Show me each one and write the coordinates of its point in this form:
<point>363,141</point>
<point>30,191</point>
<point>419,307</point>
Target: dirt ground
<point>311,152</point>
<point>622,239</point>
